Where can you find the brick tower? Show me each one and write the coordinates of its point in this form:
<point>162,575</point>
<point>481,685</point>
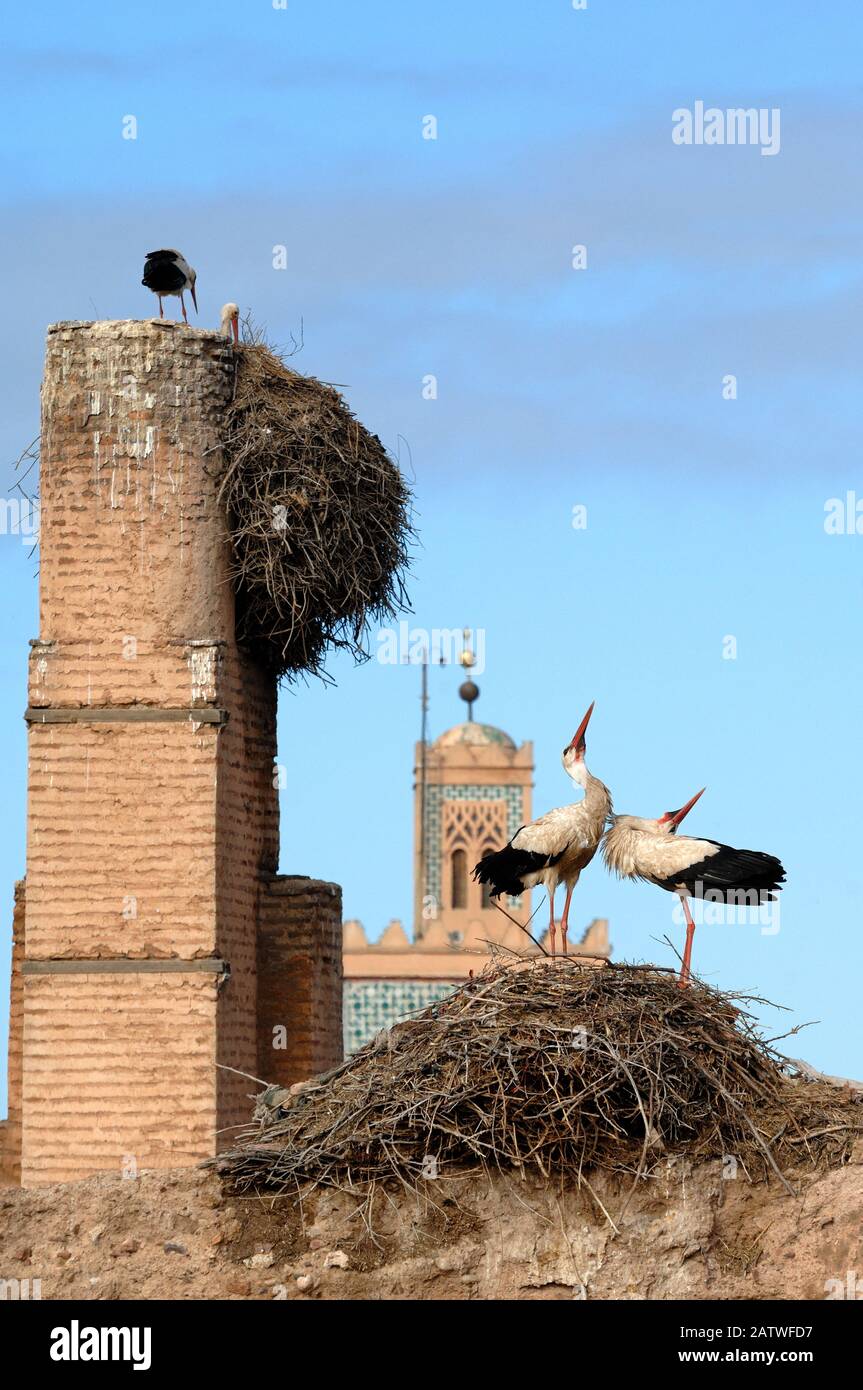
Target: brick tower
<point>152,842</point>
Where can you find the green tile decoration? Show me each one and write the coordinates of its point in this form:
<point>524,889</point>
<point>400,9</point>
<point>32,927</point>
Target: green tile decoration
<point>370,1005</point>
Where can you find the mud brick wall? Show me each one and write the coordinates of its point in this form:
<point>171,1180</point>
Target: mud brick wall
<point>247,846</point>
<point>152,809</point>
<point>153,832</point>
<point>299,979</point>
<point>118,1073</point>
<point>10,1131</point>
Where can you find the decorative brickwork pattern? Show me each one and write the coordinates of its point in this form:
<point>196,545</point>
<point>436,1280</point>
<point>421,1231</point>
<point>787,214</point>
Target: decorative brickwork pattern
<point>512,798</point>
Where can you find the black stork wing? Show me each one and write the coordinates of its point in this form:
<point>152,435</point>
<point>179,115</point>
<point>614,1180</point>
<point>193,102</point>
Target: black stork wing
<point>730,870</point>
<point>162,275</point>
<point>506,868</point>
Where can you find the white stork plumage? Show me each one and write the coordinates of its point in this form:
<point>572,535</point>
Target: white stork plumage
<point>168,272</point>
<point>555,848</point>
<point>229,324</point>
<point>651,850</point>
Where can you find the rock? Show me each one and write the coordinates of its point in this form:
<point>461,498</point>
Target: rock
<point>448,1262</point>
<point>96,1234</point>
<point>264,1259</point>
<point>336,1259</point>
<point>305,1282</point>
<point>130,1246</point>
<point>459,1257</point>
<point>173,1247</point>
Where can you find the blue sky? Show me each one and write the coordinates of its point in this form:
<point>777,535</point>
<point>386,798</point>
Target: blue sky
<point>556,388</point>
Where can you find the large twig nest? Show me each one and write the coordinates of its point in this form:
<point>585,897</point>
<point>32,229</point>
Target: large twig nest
<point>318,515</point>
<point>557,1066</point>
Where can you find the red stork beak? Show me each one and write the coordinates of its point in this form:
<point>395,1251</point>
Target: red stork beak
<point>194,297</point>
<point>578,737</point>
<point>235,328</point>
<point>677,816</point>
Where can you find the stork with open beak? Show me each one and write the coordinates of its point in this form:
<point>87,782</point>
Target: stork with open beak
<point>168,272</point>
<point>555,848</point>
<point>651,850</point>
<point>229,326</point>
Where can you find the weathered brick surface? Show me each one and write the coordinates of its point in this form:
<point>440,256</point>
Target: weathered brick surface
<point>122,840</point>
<point>130,458</point>
<point>299,979</point>
<point>148,840</point>
<point>247,844</point>
<point>120,669</point>
<point>123,834</point>
<point>10,1141</point>
<point>117,1066</point>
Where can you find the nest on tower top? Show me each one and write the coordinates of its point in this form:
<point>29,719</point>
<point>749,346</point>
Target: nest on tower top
<point>319,518</point>
<point>555,1065</point>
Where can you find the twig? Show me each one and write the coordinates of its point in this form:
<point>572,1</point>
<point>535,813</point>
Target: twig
<point>519,925</point>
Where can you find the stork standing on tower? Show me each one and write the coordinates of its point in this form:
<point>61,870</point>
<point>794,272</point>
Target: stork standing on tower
<point>555,848</point>
<point>168,272</point>
<point>652,851</point>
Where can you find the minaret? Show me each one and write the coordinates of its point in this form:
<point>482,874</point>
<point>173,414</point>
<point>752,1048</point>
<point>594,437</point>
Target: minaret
<point>472,792</point>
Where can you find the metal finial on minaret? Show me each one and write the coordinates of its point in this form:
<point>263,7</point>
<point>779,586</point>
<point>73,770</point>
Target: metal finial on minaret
<point>468,690</point>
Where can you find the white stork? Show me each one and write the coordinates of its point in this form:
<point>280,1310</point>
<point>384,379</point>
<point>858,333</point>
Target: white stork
<point>230,322</point>
<point>168,272</point>
<point>555,848</point>
<point>652,851</point>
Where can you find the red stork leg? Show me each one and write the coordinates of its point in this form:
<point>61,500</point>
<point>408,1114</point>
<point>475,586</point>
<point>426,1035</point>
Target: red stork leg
<point>683,981</point>
<point>564,921</point>
<point>551,921</point>
<point>183,303</point>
